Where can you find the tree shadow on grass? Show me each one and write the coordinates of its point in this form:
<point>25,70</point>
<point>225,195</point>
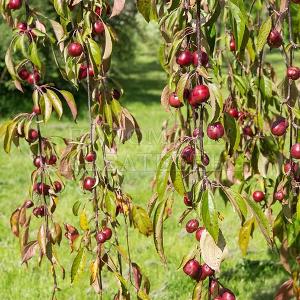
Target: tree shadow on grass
<point>256,272</point>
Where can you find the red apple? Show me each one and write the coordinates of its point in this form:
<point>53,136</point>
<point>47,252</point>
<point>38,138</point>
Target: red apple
<point>258,196</point>
<point>199,94</point>
<point>184,58</point>
<point>274,39</point>
<point>75,49</point>
<point>215,131</point>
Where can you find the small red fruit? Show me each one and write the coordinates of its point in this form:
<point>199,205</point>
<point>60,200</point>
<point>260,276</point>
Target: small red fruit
<point>32,135</point>
<point>247,131</point>
<point>98,11</point>
<point>279,127</point>
<point>91,157</point>
<point>200,94</point>
<point>57,186</point>
<point>205,160</point>
<point>279,195</point>
<point>232,44</point>
<point>52,160</point>
<point>184,58</point>
<point>39,161</point>
<point>274,39</point>
<point>108,233</point>
<point>188,154</point>
<point>89,183</point>
<point>215,131</point>
<point>100,237</point>
<point>28,204</point>
<point>98,27</point>
<point>288,167</point>
<point>207,271</point>
<point>75,49</point>
<point>233,112</point>
<point>23,74</point>
<point>295,151</point>
<point>204,58</point>
<point>228,295</point>
<point>34,78</point>
<point>22,26</point>
<point>116,94</point>
<point>293,73</point>
<point>187,201</point>
<point>174,101</point>
<point>36,110</point>
<point>258,196</point>
<point>192,225</point>
<point>14,4</point>
<point>214,287</point>
<point>192,268</point>
<point>199,233</point>
<point>43,189</point>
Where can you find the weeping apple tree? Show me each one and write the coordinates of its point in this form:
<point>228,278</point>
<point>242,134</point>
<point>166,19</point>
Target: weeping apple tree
<point>222,89</point>
<point>81,41</point>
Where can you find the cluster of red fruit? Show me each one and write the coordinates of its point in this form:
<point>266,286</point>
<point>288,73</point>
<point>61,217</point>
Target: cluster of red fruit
<point>31,78</point>
<point>200,272</point>
<point>75,49</point>
<point>103,235</point>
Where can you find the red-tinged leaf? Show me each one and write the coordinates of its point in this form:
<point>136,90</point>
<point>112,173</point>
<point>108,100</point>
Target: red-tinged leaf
<point>41,237</point>
<point>164,99</point>
<point>285,291</point>
<point>71,102</point>
<point>197,292</point>
<point>117,8</point>
<point>29,251</point>
<point>14,222</point>
<point>137,275</point>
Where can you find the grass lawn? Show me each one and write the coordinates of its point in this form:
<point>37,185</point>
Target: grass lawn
<point>255,277</point>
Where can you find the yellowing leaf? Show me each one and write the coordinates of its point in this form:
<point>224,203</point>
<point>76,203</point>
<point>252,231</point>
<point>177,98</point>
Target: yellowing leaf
<point>142,221</point>
<point>83,221</point>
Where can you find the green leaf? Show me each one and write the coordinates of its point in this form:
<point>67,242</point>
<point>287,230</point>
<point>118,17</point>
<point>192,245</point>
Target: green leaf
<point>71,102</point>
<point>176,178</point>
<point>108,115</point>
<point>76,207</point>
<point>142,221</point>
<point>263,34</point>
<point>181,86</point>
<point>146,8</point>
<point>261,219</point>
<point>158,229</point>
<point>244,235</point>
<point>209,214</point>
<point>56,103</point>
<point>34,56</point>
<point>110,204</point>
<point>162,174</point>
<point>95,51</point>
<point>108,44</point>
<point>78,264</point>
<point>47,107</point>
<point>83,221</point>
<point>237,202</point>
<point>58,30</point>
<point>10,131</point>
<point>232,132</point>
<point>9,63</point>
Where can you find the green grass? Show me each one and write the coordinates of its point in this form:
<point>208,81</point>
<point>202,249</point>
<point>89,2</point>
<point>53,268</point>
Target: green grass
<point>255,277</point>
